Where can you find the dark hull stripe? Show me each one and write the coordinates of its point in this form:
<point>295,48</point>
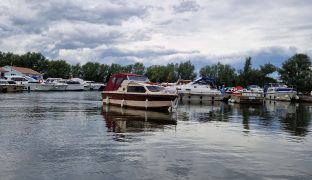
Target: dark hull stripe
<point>139,97</point>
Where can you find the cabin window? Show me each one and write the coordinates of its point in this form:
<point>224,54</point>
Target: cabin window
<point>119,80</point>
<point>113,80</point>
<point>155,88</point>
<point>138,89</point>
<point>18,79</point>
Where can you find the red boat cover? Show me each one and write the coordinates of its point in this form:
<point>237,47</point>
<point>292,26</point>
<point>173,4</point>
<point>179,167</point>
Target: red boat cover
<point>116,80</point>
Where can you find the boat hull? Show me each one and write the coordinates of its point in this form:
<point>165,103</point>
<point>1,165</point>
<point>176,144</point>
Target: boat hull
<point>281,96</point>
<point>200,97</point>
<point>75,87</point>
<point>305,98</point>
<point>59,87</point>
<point>139,101</point>
<point>38,87</point>
<point>248,99</point>
<point>11,88</point>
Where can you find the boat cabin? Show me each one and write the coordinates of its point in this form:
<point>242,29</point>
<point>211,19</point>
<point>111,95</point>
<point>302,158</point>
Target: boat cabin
<point>205,81</point>
<point>115,80</point>
<point>278,87</point>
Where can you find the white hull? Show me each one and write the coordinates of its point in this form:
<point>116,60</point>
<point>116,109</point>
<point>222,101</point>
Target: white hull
<point>38,87</point>
<point>200,97</point>
<point>86,87</point>
<point>281,96</point>
<point>75,87</point>
<point>61,87</point>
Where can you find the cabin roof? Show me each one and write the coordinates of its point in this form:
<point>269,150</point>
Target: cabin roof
<point>3,70</point>
<point>25,70</point>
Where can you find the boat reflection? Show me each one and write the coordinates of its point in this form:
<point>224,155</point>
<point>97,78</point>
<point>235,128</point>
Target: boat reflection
<point>122,120</point>
<point>212,111</point>
<point>294,118</point>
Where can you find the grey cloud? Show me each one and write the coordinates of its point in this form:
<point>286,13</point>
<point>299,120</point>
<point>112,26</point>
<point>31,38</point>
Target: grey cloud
<point>102,14</point>
<point>186,6</point>
<point>141,54</point>
<point>49,12</point>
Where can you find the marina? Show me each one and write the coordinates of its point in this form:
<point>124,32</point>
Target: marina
<point>155,90</point>
<point>68,135</point>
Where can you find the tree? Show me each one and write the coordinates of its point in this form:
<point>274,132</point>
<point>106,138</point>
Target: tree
<point>224,74</point>
<point>185,70</point>
<point>58,69</point>
<point>249,76</point>
<point>76,71</point>
<point>138,68</point>
<point>103,73</point>
<point>296,71</point>
<point>156,73</point>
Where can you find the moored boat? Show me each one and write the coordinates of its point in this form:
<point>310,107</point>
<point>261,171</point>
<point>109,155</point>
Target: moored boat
<point>136,91</point>
<point>305,97</point>
<point>280,92</point>
<point>74,84</point>
<point>200,90</point>
<point>10,86</point>
<point>57,85</point>
<point>253,94</point>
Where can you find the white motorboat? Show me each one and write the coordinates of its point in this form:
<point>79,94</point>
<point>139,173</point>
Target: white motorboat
<point>36,85</point>
<point>20,80</point>
<point>280,92</point>
<point>57,84</point>
<point>200,90</point>
<point>91,85</point>
<point>74,84</point>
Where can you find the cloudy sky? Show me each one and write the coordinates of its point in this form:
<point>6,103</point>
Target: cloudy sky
<point>158,32</point>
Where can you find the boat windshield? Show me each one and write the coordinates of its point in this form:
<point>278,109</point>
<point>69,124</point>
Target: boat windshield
<point>205,81</point>
<point>138,78</point>
<point>137,89</point>
<point>18,79</point>
<point>155,88</point>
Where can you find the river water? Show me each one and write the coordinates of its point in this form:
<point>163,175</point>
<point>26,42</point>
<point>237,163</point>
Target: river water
<point>69,135</point>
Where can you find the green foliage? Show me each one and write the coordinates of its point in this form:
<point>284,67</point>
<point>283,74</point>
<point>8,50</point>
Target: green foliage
<point>138,68</point>
<point>171,72</point>
<point>224,74</point>
<point>185,70</point>
<point>296,71</point>
<point>58,69</point>
<point>251,76</point>
<point>76,71</point>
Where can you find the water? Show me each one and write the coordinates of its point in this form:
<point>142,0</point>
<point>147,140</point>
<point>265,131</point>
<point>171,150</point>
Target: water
<point>68,135</point>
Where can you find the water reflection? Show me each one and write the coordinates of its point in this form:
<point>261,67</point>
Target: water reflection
<point>121,120</point>
<point>292,118</point>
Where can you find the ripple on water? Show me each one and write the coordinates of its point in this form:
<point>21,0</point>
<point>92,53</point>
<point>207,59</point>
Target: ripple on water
<point>64,135</point>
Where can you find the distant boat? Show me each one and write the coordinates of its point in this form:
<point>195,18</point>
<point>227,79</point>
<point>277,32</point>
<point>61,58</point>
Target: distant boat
<point>280,92</point>
<point>10,86</point>
<point>200,90</point>
<point>91,85</point>
<point>305,97</point>
<point>74,84</point>
<point>57,83</point>
<point>136,91</point>
<point>253,94</point>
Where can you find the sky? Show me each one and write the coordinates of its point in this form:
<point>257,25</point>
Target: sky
<point>158,32</point>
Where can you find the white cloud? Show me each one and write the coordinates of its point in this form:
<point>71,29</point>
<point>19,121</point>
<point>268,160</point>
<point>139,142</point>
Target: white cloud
<point>156,31</point>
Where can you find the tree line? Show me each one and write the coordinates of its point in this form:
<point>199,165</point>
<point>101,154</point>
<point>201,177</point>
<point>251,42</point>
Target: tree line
<point>294,71</point>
